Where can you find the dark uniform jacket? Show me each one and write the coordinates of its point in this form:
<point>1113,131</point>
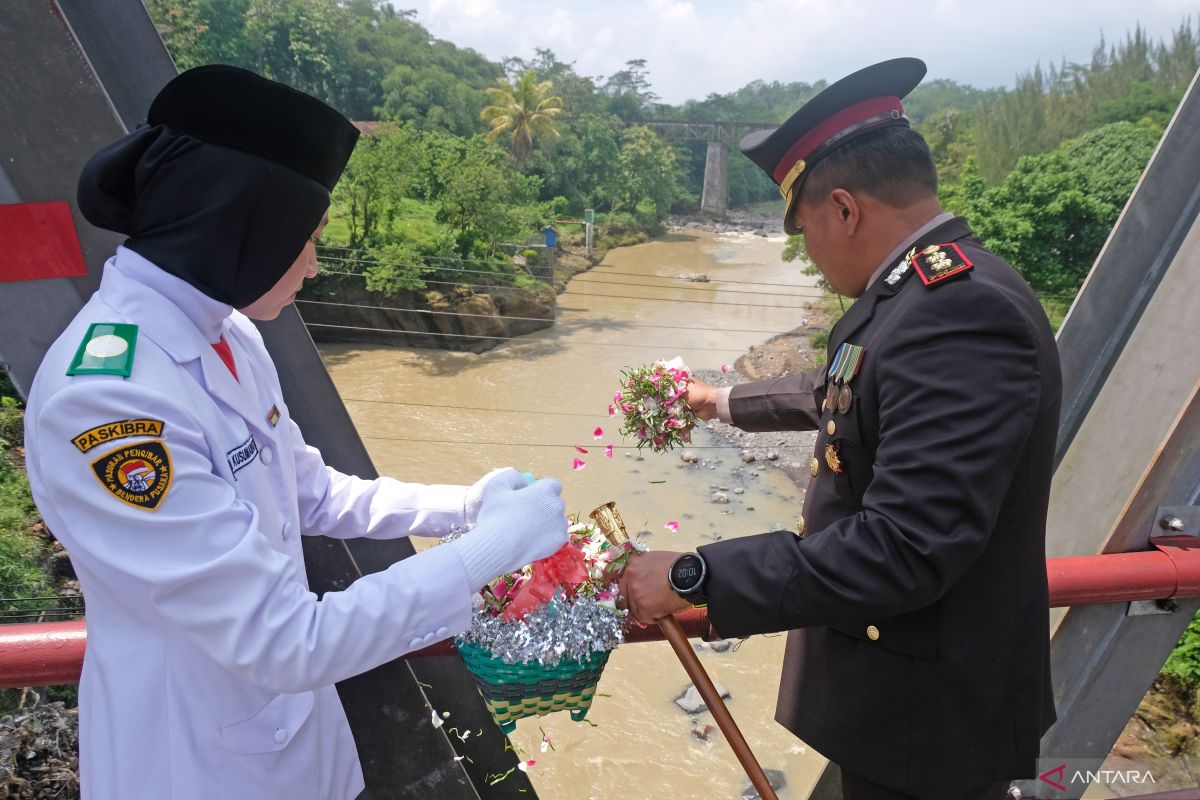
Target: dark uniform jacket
<point>917,600</point>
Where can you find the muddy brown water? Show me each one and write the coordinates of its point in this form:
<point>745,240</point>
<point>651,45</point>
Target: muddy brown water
<point>440,417</point>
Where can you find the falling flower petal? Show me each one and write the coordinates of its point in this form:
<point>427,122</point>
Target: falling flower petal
<point>525,765</point>
<point>672,526</point>
<point>437,721</point>
<point>612,412</point>
<point>598,433</point>
<point>578,464</point>
<point>579,449</point>
<point>724,368</point>
<point>608,451</point>
<point>545,745</point>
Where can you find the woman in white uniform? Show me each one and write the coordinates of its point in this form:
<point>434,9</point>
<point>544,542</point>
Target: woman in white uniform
<point>162,455</point>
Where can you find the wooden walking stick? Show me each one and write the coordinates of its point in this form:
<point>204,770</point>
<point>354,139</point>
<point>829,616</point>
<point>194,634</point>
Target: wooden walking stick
<point>609,522</point>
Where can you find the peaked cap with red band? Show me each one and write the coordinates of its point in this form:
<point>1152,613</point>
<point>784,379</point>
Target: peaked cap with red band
<point>864,101</point>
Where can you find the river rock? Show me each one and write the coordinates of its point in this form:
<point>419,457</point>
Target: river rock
<point>772,455</point>
<point>694,277</point>
<point>691,702</point>
<point>721,645</point>
<point>704,732</point>
<point>739,490</point>
<point>748,458</point>
<point>775,777</point>
<point>720,498</point>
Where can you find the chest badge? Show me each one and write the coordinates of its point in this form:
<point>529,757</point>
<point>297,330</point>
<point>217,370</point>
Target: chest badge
<point>273,416</point>
<point>138,475</point>
<point>833,459</point>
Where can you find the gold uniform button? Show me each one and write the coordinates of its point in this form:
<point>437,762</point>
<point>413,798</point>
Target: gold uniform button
<point>800,525</point>
<point>831,428</point>
<point>814,466</point>
<point>873,633</point>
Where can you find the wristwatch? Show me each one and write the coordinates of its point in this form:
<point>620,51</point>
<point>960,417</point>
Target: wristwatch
<point>687,577</point>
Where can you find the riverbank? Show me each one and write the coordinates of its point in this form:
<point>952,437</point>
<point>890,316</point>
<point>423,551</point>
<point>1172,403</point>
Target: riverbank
<point>478,313</point>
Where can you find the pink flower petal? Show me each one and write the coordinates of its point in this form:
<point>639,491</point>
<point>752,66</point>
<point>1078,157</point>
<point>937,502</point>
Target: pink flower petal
<point>724,368</point>
<point>608,451</point>
<point>598,433</point>
<point>578,464</point>
<point>612,412</point>
<point>525,765</point>
<point>579,449</point>
<point>672,526</point>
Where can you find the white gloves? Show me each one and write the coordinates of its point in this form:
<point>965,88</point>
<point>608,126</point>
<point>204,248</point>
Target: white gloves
<point>517,523</point>
<point>474,498</point>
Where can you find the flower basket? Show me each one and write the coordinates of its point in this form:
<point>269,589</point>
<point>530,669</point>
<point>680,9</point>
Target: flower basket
<point>528,689</point>
<point>540,637</point>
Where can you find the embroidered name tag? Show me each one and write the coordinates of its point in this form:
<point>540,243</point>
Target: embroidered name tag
<point>111,431</point>
<point>242,456</point>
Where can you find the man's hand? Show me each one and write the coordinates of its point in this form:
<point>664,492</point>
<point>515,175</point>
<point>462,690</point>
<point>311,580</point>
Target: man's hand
<point>701,398</point>
<point>645,589</point>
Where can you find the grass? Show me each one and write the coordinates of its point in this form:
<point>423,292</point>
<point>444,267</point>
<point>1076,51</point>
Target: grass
<point>414,222</point>
<point>1056,310</point>
<point>21,551</point>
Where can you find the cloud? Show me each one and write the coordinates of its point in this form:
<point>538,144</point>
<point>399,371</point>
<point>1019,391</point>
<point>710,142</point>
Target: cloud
<point>696,47</point>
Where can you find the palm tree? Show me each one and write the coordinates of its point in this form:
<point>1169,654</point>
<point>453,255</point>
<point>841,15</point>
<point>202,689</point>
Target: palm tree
<point>526,110</point>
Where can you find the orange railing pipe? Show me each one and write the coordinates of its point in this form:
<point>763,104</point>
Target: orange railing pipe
<point>39,654</point>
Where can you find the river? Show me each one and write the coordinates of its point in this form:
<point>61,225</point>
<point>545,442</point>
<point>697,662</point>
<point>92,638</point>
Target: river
<point>443,417</point>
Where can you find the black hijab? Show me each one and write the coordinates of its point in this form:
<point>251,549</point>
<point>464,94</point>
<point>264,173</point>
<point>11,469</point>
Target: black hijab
<point>226,182</point>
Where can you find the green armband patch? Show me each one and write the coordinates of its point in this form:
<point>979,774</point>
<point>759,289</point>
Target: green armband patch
<point>107,349</point>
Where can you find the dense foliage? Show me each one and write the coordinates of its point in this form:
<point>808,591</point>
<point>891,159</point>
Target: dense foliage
<point>21,573</point>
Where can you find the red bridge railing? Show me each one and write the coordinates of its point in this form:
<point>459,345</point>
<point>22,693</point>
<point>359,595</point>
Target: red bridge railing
<point>39,654</point>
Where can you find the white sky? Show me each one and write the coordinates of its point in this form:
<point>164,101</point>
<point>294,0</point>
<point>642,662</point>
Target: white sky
<point>695,47</point>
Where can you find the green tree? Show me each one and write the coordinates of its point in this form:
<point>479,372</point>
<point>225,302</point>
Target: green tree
<point>482,200</point>
<point>524,111</point>
<point>1052,214</point>
<point>383,170</point>
<point>646,170</point>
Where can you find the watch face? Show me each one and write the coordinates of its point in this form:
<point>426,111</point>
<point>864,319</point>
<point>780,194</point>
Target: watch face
<point>687,572</point>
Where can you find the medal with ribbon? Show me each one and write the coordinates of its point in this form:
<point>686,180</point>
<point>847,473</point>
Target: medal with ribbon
<point>845,365</point>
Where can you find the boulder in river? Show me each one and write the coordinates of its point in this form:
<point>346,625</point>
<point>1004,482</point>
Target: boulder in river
<point>691,702</point>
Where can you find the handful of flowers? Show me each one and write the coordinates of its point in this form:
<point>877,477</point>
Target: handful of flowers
<point>651,400</point>
<point>540,637</point>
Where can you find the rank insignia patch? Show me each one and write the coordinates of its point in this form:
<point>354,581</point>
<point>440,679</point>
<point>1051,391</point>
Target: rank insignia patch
<point>107,349</point>
<point>138,474</point>
<point>273,416</point>
<point>111,431</point>
<point>939,261</point>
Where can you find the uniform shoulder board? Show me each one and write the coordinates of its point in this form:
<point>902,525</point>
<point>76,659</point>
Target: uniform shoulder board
<point>940,261</point>
<point>107,349</point>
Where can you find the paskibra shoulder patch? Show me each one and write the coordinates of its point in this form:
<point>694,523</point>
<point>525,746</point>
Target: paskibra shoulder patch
<point>121,429</point>
<point>937,262</point>
<point>138,475</point>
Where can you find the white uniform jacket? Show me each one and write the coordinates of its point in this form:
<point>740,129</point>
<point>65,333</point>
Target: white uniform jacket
<point>210,665</point>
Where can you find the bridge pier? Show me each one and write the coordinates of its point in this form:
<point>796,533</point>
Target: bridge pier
<point>714,199</point>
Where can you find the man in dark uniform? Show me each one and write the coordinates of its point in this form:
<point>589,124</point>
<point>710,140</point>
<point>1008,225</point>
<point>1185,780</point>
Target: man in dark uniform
<point>914,587</point>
